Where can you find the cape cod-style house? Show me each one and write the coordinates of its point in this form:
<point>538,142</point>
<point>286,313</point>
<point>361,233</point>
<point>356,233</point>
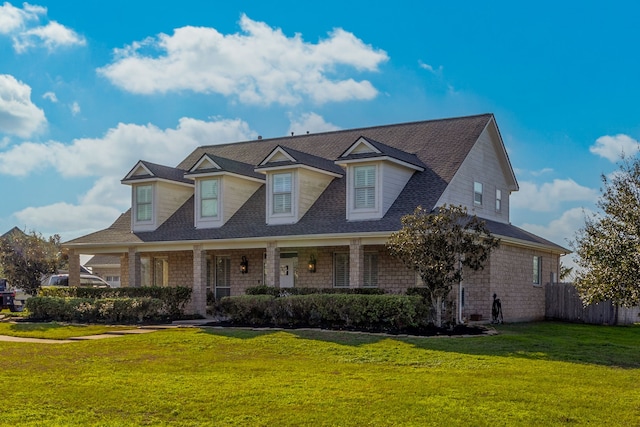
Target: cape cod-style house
<point>316,210</point>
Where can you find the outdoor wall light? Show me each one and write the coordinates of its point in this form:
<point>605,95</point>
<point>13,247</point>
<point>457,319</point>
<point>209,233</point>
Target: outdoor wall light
<point>244,265</point>
<point>312,264</point>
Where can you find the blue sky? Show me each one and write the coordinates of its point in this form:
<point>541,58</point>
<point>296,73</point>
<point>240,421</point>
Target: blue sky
<point>89,88</point>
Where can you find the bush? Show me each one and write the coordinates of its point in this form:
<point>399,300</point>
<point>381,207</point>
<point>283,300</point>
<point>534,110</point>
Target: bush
<point>89,310</point>
<point>277,292</point>
<point>173,299</point>
<point>390,313</point>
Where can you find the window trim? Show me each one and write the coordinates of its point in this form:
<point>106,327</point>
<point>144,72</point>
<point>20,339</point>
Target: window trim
<point>335,270</point>
<point>370,188</point>
<point>370,274</point>
<point>275,193</point>
<point>537,270</point>
<point>137,204</point>
<point>498,200</point>
<point>477,201</point>
<point>202,199</point>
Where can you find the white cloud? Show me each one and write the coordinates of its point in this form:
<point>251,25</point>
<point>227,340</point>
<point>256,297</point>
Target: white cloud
<point>613,148</point>
<point>51,96</point>
<point>310,122</point>
<point>120,148</point>
<point>543,171</point>
<point>424,66</point>
<point>109,158</point>
<point>52,36</point>
<point>75,108</point>
<point>18,115</point>
<point>550,195</point>
<point>14,19</point>
<point>260,65</point>
<point>22,25</point>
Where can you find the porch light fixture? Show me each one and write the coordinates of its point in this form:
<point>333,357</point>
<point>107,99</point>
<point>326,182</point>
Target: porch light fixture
<point>312,264</point>
<point>244,265</point>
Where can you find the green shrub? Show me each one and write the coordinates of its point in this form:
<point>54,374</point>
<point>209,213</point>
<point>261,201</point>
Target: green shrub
<point>173,299</point>
<point>277,292</point>
<point>92,310</point>
<point>392,313</point>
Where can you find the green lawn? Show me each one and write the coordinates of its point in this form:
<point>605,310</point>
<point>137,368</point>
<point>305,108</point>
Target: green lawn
<point>55,331</point>
<point>531,374</point>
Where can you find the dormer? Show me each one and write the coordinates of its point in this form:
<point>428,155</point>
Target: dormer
<point>222,186</point>
<point>156,193</point>
<point>295,180</point>
<point>376,174</point>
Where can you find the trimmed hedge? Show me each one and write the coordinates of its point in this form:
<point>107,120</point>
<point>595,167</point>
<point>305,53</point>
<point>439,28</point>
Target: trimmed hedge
<point>173,299</point>
<point>389,313</point>
<point>277,292</point>
<point>89,310</point>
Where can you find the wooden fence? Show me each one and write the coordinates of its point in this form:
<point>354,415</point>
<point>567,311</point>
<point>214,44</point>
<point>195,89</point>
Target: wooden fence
<point>563,303</point>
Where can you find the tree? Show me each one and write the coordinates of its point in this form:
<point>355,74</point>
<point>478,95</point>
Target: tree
<point>608,246</point>
<point>25,258</point>
<point>438,245</point>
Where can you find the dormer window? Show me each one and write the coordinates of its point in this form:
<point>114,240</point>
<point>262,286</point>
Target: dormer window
<point>208,198</point>
<point>144,203</point>
<point>282,193</point>
<point>364,187</point>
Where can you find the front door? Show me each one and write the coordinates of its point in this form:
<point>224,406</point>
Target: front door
<point>288,266</point>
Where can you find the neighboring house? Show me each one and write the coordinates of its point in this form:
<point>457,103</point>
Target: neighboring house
<point>107,267</point>
<point>316,210</point>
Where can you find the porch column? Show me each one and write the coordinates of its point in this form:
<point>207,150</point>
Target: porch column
<point>199,290</point>
<point>272,273</point>
<point>135,273</point>
<point>74,268</point>
<point>356,263</point>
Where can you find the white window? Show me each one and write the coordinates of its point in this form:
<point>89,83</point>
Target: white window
<point>498,200</point>
<point>281,193</point>
<point>341,270</point>
<point>223,277</point>
<point>144,202</point>
<point>477,193</point>
<point>364,185</point>
<point>209,198</point>
<point>537,270</point>
<point>371,270</point>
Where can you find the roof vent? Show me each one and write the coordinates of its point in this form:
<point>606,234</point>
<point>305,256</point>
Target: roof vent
<point>259,137</point>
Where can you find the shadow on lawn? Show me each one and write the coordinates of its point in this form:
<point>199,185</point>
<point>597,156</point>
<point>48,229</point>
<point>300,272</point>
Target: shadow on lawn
<point>614,346</point>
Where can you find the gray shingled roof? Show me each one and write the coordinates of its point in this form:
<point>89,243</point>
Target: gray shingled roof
<point>303,159</point>
<point>228,165</point>
<point>160,171</point>
<point>385,150</point>
<point>440,145</point>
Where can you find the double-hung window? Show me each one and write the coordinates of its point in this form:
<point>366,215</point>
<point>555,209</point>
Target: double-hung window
<point>341,270</point>
<point>364,187</point>
<point>144,202</point>
<point>498,200</point>
<point>477,193</point>
<point>370,270</point>
<point>537,270</point>
<point>209,198</point>
<point>281,193</point>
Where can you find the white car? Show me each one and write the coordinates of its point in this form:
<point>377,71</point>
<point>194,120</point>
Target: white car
<point>86,281</point>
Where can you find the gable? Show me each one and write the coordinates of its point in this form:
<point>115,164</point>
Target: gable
<point>205,163</point>
<point>361,146</point>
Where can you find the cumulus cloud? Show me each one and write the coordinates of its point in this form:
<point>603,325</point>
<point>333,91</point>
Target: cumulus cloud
<point>613,148</point>
<point>310,122</point>
<point>561,230</point>
<point>120,148</point>
<point>260,65</point>
<point>109,158</point>
<point>550,195</point>
<point>24,27</point>
<point>51,96</point>
<point>18,115</point>
<point>75,108</point>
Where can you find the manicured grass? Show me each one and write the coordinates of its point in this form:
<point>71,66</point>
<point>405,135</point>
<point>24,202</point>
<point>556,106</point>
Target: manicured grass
<point>55,331</point>
<point>530,374</point>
